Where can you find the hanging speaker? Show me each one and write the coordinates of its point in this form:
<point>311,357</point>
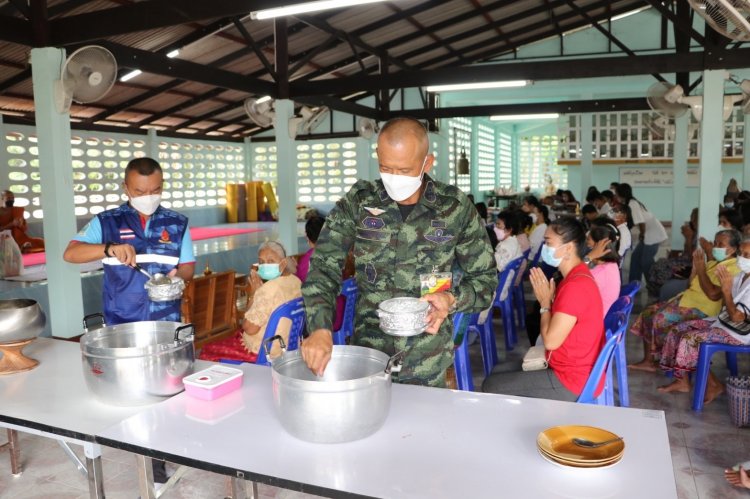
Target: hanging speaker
<point>463,163</point>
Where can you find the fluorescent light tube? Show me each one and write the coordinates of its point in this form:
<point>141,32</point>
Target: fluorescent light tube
<point>476,86</point>
<point>263,99</point>
<point>131,75</point>
<point>521,117</point>
<point>302,8</point>
<point>174,53</point>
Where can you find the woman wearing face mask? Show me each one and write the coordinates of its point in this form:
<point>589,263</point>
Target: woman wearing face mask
<point>272,285</point>
<point>506,228</point>
<point>701,299</point>
<point>680,352</point>
<point>571,329</point>
<point>603,260</point>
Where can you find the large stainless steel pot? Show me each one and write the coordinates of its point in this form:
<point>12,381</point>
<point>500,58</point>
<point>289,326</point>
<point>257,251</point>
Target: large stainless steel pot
<point>137,363</point>
<point>20,319</point>
<point>350,401</point>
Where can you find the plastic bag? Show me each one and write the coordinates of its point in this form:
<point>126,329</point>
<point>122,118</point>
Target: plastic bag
<point>11,260</point>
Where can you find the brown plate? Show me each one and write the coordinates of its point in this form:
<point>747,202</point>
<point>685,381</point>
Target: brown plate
<point>557,442</point>
<point>578,465</point>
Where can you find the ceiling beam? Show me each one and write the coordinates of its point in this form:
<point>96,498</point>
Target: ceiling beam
<point>143,16</point>
<point>586,106</point>
<point>149,62</point>
<point>15,80</point>
<point>531,70</point>
<point>678,22</point>
<point>22,7</point>
<point>15,30</point>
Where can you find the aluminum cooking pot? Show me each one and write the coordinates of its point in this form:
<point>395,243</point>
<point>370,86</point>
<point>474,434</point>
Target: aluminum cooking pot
<point>138,362</point>
<point>20,319</point>
<point>349,402</point>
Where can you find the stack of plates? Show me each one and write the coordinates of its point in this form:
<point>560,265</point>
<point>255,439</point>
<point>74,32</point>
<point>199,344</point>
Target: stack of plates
<point>556,445</point>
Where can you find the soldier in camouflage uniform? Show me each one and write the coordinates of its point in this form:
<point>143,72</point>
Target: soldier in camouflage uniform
<point>435,228</point>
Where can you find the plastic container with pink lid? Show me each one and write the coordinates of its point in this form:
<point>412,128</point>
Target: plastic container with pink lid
<point>212,383</point>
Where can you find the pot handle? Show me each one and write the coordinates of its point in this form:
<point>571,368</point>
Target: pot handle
<point>269,341</point>
<point>91,316</point>
<point>395,363</point>
<point>180,329</point>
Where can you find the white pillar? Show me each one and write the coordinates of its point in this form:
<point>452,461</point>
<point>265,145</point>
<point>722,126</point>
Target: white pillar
<point>711,144</point>
<point>286,186</point>
<point>474,164</point>
<point>247,149</point>
<point>4,168</point>
<point>56,171</point>
<point>152,144</point>
<point>680,209</point>
<point>746,155</point>
<point>587,156</point>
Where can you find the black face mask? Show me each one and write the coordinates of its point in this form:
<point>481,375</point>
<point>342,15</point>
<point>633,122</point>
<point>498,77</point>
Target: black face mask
<point>9,203</point>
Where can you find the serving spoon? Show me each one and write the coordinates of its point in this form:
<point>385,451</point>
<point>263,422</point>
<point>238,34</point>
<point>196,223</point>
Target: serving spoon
<point>593,445</point>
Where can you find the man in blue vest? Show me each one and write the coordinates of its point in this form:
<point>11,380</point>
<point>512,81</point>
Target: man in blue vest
<point>138,232</point>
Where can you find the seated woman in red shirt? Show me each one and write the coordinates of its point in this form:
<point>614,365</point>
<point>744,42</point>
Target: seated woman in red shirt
<point>572,330</point>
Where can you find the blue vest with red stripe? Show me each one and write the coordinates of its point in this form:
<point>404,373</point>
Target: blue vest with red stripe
<point>124,297</point>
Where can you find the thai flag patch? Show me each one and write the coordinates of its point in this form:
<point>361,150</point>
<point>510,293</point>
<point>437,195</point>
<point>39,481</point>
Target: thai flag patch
<point>127,234</point>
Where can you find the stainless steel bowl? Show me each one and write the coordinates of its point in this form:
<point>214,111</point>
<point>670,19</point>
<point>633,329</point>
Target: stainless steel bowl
<point>403,316</point>
<point>139,362</point>
<point>165,288</point>
<point>20,319</point>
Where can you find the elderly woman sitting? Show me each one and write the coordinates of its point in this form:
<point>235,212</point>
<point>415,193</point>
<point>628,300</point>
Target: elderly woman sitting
<point>702,299</point>
<point>682,344</point>
<point>272,285</point>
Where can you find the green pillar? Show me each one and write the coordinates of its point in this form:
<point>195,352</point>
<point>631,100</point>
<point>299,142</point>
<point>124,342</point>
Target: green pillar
<point>711,143</point>
<point>680,210</point>
<point>587,156</point>
<point>441,171</point>
<point>745,182</point>
<point>474,165</point>
<point>56,171</point>
<point>365,169</point>
<point>286,164</point>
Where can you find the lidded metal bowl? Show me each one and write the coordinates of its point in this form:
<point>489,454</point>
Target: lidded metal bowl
<point>20,319</point>
<point>165,288</point>
<point>403,316</point>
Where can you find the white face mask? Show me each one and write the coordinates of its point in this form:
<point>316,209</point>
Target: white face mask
<point>744,264</point>
<point>146,204</point>
<point>400,187</point>
<point>533,217</point>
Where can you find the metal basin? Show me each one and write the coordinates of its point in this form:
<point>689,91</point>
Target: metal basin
<point>139,362</point>
<point>351,401</point>
<point>20,319</point>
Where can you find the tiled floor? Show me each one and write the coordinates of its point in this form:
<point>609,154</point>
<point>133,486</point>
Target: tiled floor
<point>702,444</point>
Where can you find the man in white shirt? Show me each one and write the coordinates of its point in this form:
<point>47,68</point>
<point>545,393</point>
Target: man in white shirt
<point>620,216</point>
<point>601,204</point>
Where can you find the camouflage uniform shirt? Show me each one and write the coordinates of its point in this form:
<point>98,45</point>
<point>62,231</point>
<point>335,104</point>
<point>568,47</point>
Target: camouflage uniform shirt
<point>443,232</point>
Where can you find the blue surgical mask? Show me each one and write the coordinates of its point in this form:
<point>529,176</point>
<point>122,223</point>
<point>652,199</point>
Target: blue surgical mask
<point>269,271</point>
<point>548,256</point>
<point>720,254</point>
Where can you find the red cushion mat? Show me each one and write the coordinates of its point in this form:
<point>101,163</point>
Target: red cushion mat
<point>196,233</point>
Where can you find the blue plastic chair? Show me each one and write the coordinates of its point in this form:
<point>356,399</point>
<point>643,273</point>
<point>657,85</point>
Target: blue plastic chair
<point>707,350</point>
<point>623,305</point>
<point>462,323</point>
<point>293,310</point>
<point>350,292</point>
<point>487,335</point>
<point>631,289</point>
<point>519,300</point>
<point>588,394</point>
<point>534,261</point>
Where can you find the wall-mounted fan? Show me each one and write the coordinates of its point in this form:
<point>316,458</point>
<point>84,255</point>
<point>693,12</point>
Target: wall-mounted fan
<point>660,127</point>
<point>313,117</point>
<point>260,111</point>
<point>367,128</point>
<point>87,75</point>
<point>671,101</point>
<point>731,18</point>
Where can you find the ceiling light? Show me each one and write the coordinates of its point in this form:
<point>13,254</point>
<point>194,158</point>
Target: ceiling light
<point>131,75</point>
<point>301,8</point>
<point>521,117</point>
<point>476,86</point>
<point>263,99</point>
<point>174,53</point>
<point>630,13</point>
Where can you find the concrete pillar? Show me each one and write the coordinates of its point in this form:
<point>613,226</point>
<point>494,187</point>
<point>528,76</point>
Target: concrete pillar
<point>4,169</point>
<point>745,182</point>
<point>516,159</point>
<point>286,171</point>
<point>474,164</point>
<point>441,171</point>
<point>711,145</point>
<point>56,171</point>
<point>152,144</point>
<point>680,209</point>
<point>364,158</point>
<point>247,153</point>
<point>587,156</point>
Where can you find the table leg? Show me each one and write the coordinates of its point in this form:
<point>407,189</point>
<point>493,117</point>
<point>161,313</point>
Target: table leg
<point>72,456</point>
<point>145,477</point>
<point>93,453</point>
<point>15,452</point>
<point>239,487</point>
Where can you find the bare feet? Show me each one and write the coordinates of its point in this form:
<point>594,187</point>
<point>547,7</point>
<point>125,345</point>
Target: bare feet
<point>678,385</point>
<point>714,388</point>
<point>737,478</point>
<point>644,365</point>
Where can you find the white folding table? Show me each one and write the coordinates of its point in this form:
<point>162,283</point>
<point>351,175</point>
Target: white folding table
<point>53,400</point>
<point>436,443</point>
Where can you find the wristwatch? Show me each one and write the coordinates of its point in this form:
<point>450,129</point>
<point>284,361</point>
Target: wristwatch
<point>106,248</point>
<point>587,260</point>
<point>543,309</point>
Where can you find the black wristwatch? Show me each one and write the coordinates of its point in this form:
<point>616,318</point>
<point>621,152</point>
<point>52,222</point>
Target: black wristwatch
<point>106,248</point>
